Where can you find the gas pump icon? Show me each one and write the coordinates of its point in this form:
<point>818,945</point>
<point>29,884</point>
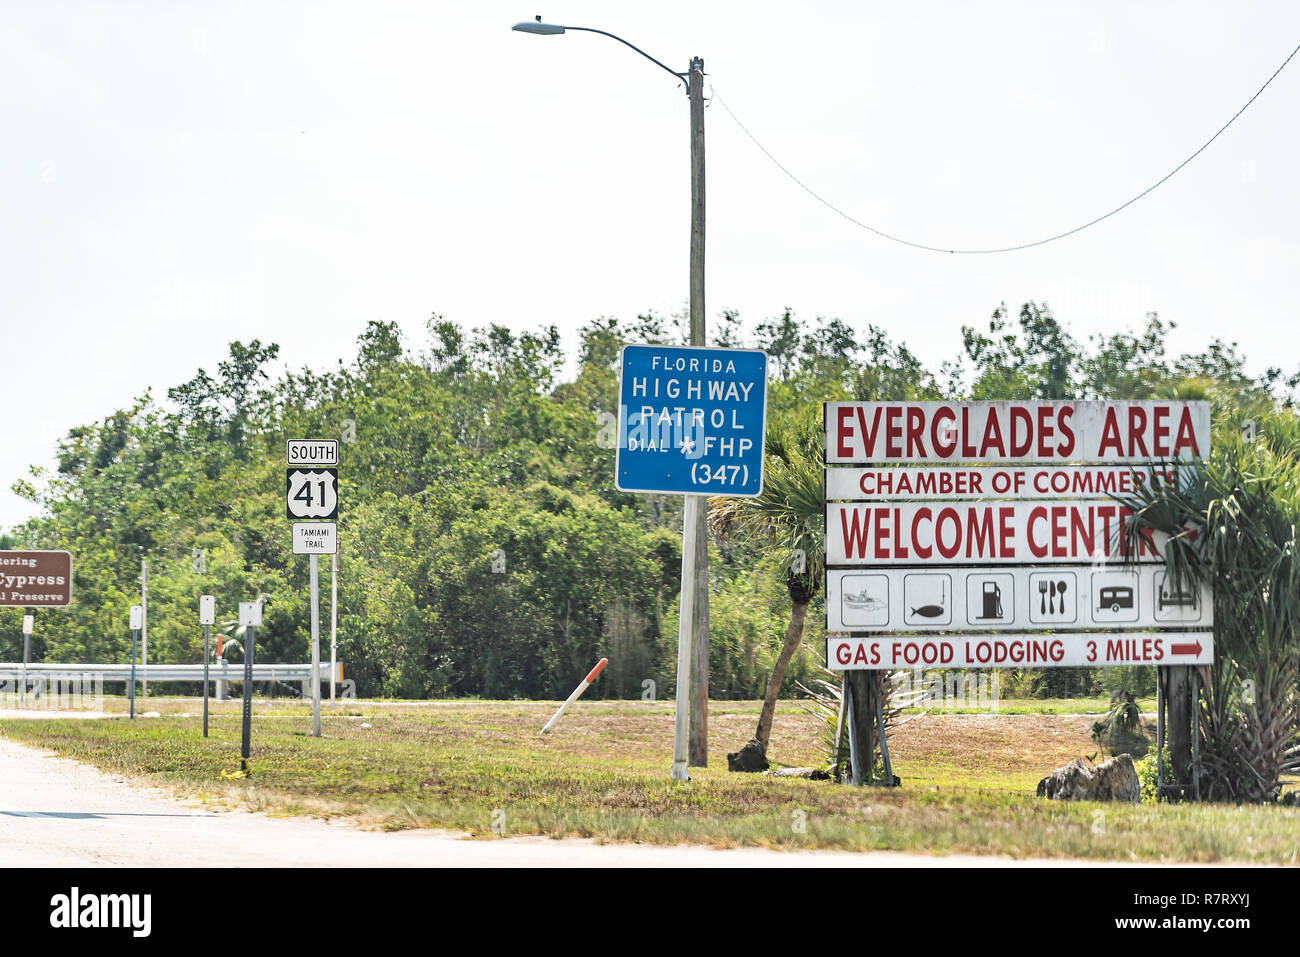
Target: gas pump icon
<point>992,606</point>
<point>989,598</point>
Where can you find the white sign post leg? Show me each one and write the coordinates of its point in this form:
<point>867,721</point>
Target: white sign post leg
<point>681,729</point>
<point>144,621</point>
<point>315,647</point>
<point>28,620</point>
<point>334,622</point>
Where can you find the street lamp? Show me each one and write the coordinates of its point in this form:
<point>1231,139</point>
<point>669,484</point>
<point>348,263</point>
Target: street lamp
<point>541,29</point>
<point>693,634</point>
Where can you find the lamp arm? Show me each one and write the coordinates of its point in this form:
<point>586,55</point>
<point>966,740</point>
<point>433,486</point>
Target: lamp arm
<point>684,77</point>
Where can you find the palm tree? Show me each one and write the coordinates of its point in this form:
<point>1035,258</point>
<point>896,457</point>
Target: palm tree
<point>787,516</point>
<point>1233,524</point>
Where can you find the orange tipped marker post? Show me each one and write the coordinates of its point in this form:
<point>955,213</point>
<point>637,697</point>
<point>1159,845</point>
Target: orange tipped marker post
<point>592,675</point>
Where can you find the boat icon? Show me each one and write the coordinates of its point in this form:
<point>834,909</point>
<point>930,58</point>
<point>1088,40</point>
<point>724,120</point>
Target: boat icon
<point>862,600</point>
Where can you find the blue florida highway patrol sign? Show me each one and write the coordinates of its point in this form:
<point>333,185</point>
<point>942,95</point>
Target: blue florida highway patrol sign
<point>691,420</point>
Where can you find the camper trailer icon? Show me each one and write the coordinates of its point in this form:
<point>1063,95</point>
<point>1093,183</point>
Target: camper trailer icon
<point>1114,597</point>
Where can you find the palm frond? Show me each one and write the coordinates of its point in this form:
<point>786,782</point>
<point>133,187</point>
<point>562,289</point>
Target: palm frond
<point>1231,522</point>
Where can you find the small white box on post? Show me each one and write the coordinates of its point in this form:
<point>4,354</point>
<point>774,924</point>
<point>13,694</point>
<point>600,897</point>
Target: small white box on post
<point>137,622</point>
<point>207,617</point>
<point>29,622</point>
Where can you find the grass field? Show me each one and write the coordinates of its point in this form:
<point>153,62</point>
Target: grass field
<point>968,780</point>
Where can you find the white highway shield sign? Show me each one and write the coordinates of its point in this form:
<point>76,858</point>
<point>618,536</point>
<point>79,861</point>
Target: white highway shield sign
<point>312,493</point>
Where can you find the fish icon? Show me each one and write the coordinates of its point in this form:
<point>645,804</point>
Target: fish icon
<point>934,611</point>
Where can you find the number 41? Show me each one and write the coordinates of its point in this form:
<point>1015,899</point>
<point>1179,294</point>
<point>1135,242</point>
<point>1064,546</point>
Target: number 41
<point>304,494</point>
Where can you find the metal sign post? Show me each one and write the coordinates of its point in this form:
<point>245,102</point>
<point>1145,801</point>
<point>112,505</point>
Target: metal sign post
<point>207,615</point>
<point>250,616</point>
<point>315,646</point>
<point>29,621</point>
<point>334,623</point>
<point>144,621</point>
<point>137,619</point>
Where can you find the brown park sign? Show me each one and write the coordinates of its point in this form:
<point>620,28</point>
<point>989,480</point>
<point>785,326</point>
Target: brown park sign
<point>35,579</point>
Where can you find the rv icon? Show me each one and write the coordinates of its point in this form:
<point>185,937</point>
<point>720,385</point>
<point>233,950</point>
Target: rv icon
<point>1114,598</point>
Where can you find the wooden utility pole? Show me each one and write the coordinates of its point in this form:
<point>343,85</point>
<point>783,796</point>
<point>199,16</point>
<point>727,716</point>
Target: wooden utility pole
<point>690,726</point>
<point>699,698</point>
<point>685,649</point>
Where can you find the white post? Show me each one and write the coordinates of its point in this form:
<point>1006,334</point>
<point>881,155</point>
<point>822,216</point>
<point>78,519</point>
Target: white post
<point>315,648</point>
<point>207,617</point>
<point>681,728</point>
<point>583,685</point>
<point>28,623</point>
<point>144,622</point>
<point>334,621</point>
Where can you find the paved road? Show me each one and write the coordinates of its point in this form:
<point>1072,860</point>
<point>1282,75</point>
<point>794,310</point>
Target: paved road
<point>55,812</point>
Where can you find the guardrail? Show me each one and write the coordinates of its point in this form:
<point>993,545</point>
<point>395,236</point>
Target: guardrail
<point>222,672</point>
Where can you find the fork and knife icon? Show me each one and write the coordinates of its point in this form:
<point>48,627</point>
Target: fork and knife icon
<point>1048,592</point>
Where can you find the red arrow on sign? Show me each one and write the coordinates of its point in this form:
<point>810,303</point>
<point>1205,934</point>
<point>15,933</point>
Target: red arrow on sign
<point>1193,649</point>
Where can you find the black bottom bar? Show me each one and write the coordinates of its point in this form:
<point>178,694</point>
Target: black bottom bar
<point>949,908</point>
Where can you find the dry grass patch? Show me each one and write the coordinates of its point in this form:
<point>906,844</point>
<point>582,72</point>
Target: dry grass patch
<point>968,779</point>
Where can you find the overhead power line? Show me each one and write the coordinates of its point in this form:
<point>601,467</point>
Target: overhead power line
<point>1003,249</point>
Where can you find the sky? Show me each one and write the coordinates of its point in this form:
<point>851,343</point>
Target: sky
<point>177,176</point>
